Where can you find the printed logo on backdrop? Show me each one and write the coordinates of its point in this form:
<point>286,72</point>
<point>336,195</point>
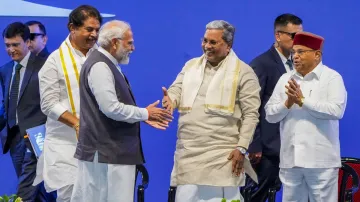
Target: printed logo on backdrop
<point>20,8</point>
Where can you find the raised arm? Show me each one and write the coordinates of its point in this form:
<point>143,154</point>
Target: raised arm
<point>275,108</point>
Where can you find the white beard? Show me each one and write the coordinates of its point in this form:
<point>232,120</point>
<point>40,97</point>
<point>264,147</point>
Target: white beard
<point>123,55</point>
<point>125,60</point>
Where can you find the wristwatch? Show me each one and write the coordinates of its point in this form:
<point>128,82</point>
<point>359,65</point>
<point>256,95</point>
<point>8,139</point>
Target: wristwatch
<point>301,101</point>
<point>242,150</point>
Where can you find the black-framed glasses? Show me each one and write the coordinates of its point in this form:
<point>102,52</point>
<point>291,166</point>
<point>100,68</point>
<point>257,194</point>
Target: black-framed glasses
<point>33,35</point>
<point>291,35</point>
<point>300,52</point>
<point>211,42</point>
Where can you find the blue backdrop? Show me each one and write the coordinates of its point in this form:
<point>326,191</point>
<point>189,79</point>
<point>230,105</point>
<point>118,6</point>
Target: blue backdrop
<point>167,33</point>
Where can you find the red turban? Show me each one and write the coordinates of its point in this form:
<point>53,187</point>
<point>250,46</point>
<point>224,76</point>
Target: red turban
<point>309,40</point>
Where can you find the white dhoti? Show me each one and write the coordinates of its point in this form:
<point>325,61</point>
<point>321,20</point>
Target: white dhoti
<point>202,193</point>
<point>104,182</point>
<point>316,184</point>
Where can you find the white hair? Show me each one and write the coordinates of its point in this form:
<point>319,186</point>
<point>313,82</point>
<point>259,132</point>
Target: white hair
<point>111,30</point>
<point>229,30</point>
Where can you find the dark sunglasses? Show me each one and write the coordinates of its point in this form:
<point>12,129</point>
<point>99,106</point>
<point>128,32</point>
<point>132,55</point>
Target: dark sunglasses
<point>33,35</point>
<point>292,35</point>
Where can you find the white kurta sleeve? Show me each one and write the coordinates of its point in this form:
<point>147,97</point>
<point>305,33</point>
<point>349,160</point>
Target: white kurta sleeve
<point>175,89</point>
<point>49,84</point>
<point>102,84</point>
<point>275,108</point>
<point>249,99</point>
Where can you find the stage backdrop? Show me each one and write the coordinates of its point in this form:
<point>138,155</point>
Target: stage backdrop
<point>167,34</point>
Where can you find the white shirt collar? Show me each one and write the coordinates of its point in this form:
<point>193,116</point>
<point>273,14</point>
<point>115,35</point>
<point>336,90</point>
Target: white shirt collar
<point>24,61</point>
<point>316,71</point>
<point>107,54</point>
<point>283,58</point>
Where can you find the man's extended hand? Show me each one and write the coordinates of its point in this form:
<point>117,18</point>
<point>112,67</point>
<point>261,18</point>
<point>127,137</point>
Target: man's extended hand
<point>255,157</point>
<point>158,118</point>
<point>158,125</point>
<point>237,162</point>
<point>167,103</point>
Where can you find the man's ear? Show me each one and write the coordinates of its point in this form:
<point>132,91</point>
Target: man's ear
<point>72,27</point>
<point>45,39</point>
<point>27,43</point>
<point>318,55</point>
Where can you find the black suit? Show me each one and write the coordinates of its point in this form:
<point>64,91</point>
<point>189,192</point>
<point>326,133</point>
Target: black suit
<point>269,68</point>
<point>44,53</point>
<point>29,115</point>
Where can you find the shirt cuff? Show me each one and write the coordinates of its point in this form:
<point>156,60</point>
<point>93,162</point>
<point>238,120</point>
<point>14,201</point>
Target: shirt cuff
<point>308,104</point>
<point>244,143</point>
<point>57,111</point>
<point>282,108</point>
<point>173,100</point>
<point>144,114</point>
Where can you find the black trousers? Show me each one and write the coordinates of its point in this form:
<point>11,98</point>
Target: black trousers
<point>25,161</point>
<point>268,176</point>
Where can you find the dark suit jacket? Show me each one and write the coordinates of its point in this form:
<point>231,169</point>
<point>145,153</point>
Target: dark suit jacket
<point>28,108</point>
<point>44,53</point>
<point>269,68</point>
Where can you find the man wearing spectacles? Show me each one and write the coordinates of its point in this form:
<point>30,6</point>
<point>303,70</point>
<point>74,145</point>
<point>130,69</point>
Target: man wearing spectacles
<point>217,96</point>
<point>269,66</point>
<point>308,103</point>
<point>38,38</point>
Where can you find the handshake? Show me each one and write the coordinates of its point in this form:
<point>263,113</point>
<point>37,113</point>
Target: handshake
<point>160,117</point>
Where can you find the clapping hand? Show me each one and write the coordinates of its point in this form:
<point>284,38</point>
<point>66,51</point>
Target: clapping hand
<point>294,92</point>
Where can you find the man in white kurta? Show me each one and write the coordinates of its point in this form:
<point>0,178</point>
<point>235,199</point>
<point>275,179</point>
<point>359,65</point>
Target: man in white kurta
<point>60,101</point>
<point>217,96</point>
<point>308,102</point>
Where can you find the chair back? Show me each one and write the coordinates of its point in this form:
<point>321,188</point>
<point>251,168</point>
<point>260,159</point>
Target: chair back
<point>349,180</point>
<point>144,182</point>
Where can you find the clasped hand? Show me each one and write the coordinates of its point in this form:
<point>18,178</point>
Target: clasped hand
<point>294,93</point>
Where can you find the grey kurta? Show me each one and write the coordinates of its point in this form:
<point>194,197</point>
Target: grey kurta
<point>206,140</point>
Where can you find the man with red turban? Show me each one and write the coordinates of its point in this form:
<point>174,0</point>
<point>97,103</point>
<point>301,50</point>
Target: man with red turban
<point>308,102</point>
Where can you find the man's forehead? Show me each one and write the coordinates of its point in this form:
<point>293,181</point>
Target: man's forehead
<point>291,28</point>
<point>16,39</point>
<point>92,22</point>
<point>128,34</point>
<point>301,47</point>
<point>213,33</point>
